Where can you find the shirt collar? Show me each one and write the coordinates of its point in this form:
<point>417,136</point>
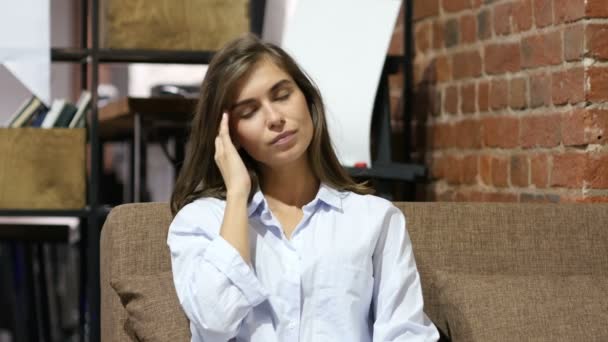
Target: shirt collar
<point>326,194</point>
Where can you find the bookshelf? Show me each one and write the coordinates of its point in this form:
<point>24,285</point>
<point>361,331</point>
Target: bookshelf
<point>89,56</point>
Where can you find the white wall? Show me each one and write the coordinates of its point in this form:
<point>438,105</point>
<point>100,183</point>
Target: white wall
<point>13,93</point>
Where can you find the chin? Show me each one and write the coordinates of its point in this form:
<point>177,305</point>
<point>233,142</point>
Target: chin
<point>284,157</point>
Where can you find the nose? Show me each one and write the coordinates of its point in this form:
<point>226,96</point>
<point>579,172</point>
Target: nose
<point>274,118</point>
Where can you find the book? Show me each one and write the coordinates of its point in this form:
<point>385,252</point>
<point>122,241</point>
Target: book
<point>18,112</point>
<point>53,114</point>
<point>25,117</point>
<point>83,104</point>
<point>65,116</point>
<point>38,117</point>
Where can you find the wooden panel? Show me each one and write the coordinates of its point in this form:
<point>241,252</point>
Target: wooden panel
<point>116,118</point>
<point>173,25</point>
<point>42,168</point>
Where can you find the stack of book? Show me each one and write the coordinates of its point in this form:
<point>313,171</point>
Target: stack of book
<point>61,114</point>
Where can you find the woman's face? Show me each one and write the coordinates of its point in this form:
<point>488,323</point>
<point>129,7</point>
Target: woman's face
<point>270,118</point>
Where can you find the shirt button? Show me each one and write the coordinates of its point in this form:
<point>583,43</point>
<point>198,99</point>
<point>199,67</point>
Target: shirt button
<point>291,326</point>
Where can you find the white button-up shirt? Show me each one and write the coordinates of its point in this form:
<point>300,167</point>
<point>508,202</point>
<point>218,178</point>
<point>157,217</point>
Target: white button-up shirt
<point>346,274</point>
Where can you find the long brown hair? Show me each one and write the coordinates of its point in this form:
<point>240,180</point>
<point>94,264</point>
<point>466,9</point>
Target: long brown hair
<point>200,176</point>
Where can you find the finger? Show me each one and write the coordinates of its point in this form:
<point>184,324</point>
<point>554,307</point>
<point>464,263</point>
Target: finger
<point>224,124</point>
<point>219,147</point>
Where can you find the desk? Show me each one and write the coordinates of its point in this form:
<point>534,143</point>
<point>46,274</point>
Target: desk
<point>141,120</point>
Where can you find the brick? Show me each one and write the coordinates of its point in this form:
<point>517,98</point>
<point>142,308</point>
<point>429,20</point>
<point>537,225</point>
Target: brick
<point>502,18</point>
<point>568,10</point>
<point>597,172</point>
<point>484,24</point>
<point>466,64</point>
<point>500,131</point>
<point>455,5</point>
<point>540,131</point>
<point>485,169</point>
<point>574,42</point>
<point>596,38</point>
<point>476,3</point>
<point>500,172</point>
<point>443,69</point>
<point>541,50</point>
<point>437,136</point>
<point>451,33</point>
<point>422,37</point>
<point>522,15</point>
<point>519,171</point>
<point>450,100</point>
<point>499,94</point>
<point>437,167</point>
<point>597,83</point>
<point>425,8</point>
<point>468,98</point>
<point>592,199</point>
<point>483,96</point>
<point>502,57</point>
<point>467,134</point>
<point>568,170</point>
<point>438,28</point>
<point>539,170</point>
<point>518,93</point>
<point>583,126</point>
<point>396,44</point>
<point>540,90</point>
<point>468,29</point>
<point>469,169</point>
<point>568,86</point>
<point>499,197</point>
<point>596,9</point>
<point>543,12</point>
<point>395,81</point>
<point>453,170</point>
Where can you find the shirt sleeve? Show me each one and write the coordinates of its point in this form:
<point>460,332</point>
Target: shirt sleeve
<point>215,286</point>
<point>397,296</point>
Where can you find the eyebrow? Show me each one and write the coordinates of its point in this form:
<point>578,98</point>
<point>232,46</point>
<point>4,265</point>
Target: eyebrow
<point>272,89</point>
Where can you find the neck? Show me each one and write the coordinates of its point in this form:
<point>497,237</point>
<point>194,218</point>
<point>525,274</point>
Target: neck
<point>294,184</point>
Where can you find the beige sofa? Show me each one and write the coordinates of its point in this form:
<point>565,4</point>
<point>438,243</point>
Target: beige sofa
<point>490,272</point>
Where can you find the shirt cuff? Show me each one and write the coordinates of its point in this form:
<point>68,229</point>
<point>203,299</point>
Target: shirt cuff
<point>227,260</point>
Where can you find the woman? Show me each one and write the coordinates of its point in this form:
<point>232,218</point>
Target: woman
<point>271,240</point>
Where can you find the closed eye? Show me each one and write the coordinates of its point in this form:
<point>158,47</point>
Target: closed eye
<point>282,96</point>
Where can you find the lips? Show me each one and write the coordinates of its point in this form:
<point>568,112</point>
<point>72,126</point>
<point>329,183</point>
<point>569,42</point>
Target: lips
<point>281,136</point>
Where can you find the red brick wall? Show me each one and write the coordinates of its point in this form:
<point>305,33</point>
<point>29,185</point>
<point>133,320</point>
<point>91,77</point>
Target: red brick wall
<point>511,98</point>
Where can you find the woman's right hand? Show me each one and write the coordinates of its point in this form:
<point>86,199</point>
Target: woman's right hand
<point>230,163</point>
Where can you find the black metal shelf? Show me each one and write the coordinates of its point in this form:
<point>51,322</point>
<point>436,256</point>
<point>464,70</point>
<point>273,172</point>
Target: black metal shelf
<point>393,62</point>
<point>46,212</point>
<point>132,56</point>
<point>390,171</point>
<point>102,210</point>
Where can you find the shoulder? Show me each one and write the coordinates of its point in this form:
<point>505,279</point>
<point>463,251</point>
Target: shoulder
<point>368,204</point>
<point>202,210</point>
<point>371,207</point>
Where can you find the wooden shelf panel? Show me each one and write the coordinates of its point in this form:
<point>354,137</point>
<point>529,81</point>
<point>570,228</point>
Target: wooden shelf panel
<point>116,119</point>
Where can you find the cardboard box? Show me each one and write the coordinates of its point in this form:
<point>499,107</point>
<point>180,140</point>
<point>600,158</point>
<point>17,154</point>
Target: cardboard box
<point>42,168</point>
<point>172,25</point>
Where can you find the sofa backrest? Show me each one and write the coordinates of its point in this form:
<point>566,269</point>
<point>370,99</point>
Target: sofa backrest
<point>506,239</point>
<point>475,238</point>
<point>133,242</point>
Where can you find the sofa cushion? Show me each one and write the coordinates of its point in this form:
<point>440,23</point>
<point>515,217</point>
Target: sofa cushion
<point>154,312</point>
<point>524,308</point>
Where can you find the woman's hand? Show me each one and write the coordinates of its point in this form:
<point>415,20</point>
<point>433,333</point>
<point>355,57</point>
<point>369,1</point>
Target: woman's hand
<point>230,163</point>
